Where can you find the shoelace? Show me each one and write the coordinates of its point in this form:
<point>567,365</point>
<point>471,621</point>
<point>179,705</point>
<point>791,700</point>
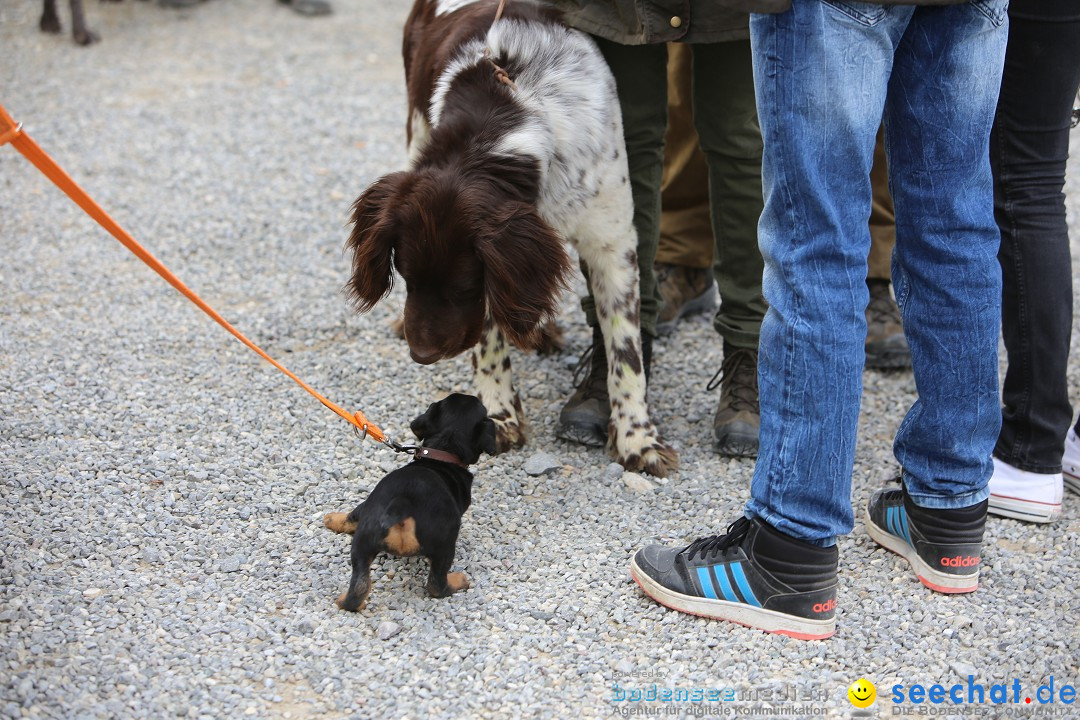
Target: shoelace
<point>596,383</point>
<point>713,545</point>
<point>741,367</point>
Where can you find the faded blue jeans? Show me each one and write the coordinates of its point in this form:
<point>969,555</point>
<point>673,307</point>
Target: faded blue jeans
<point>825,73</point>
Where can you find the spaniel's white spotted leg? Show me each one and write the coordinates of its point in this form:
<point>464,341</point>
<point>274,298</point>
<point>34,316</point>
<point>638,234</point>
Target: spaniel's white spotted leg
<point>494,384</point>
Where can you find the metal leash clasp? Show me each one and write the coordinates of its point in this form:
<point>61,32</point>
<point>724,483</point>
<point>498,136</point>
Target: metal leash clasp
<point>398,447</point>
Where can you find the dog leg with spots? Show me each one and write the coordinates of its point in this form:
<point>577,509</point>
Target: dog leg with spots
<point>494,384</point>
<point>611,256</point>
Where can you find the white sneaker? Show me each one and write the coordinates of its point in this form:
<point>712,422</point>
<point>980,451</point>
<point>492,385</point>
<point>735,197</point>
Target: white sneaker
<point>1034,497</point>
<point>1070,462</point>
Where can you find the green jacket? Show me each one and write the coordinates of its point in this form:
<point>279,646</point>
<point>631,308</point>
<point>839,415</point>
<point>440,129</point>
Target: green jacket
<point>641,22</point>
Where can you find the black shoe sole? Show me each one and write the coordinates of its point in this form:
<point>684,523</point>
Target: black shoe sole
<point>758,618</point>
<point>888,355</point>
<point>585,434</point>
<point>739,442</point>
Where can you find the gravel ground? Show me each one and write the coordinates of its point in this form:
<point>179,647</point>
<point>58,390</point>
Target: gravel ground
<point>162,552</point>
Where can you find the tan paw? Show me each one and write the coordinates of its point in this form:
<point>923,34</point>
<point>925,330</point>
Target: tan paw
<point>342,603</point>
<point>457,581</point>
<point>339,522</point>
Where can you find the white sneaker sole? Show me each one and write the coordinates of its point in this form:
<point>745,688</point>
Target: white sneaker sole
<point>1020,509</point>
<point>928,576</point>
<point>1072,483</point>
<point>752,617</point>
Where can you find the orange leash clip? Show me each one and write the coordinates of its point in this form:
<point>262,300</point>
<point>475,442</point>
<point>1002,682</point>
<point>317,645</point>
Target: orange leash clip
<point>10,132</point>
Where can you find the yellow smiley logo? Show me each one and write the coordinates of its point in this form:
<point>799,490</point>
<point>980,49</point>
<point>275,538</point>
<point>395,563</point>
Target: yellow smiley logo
<point>862,693</point>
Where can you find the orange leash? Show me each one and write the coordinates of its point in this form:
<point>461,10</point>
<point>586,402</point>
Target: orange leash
<point>12,133</point>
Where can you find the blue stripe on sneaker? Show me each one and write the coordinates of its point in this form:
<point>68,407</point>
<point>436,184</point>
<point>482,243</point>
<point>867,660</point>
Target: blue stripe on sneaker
<point>904,525</point>
<point>706,583</point>
<point>891,519</point>
<point>744,586</point>
<point>725,584</point>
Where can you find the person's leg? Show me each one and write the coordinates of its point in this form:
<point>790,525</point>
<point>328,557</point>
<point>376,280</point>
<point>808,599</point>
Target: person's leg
<point>1029,149</point>
<point>942,94</point>
<point>882,215</point>
<point>819,116</point>
<point>947,70</point>
<point>686,237</point>
<point>640,73</point>
<point>725,116</point>
<point>684,255</point>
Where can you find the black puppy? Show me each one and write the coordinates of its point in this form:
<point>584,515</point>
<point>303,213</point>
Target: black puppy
<point>417,509</point>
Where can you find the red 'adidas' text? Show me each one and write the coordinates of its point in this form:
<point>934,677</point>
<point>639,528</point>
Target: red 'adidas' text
<point>827,606</point>
<point>960,561</point>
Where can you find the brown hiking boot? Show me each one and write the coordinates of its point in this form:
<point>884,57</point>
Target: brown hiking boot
<point>585,416</point>
<point>685,291</point>
<point>738,416</point>
<point>886,346</point>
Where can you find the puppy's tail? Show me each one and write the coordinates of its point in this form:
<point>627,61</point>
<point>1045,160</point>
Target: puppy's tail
<point>375,525</point>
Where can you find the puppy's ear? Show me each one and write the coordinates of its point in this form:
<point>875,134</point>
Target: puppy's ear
<point>484,436</point>
<point>426,424</point>
<point>372,241</point>
<point>525,271</point>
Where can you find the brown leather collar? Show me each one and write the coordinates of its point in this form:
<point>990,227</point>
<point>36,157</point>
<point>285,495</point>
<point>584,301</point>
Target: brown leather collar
<point>440,455</point>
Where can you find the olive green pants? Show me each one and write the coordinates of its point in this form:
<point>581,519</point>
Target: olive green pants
<point>725,119</point>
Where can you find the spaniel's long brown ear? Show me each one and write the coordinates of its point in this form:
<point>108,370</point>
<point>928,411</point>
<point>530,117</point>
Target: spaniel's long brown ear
<point>372,241</point>
<point>525,271</point>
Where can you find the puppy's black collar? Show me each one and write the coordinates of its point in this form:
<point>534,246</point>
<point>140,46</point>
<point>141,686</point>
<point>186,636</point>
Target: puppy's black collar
<point>440,455</point>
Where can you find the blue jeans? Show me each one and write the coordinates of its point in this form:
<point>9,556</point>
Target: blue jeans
<point>825,73</point>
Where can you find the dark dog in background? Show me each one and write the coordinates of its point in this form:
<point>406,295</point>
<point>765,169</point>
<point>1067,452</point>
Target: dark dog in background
<point>417,509</point>
<point>50,22</point>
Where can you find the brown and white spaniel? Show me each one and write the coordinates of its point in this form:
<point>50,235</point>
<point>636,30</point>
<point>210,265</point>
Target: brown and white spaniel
<point>515,145</point>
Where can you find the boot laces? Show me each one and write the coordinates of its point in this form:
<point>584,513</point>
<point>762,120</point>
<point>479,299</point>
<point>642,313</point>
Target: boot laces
<point>882,309</point>
<point>738,374</point>
<point>714,545</point>
<point>593,385</point>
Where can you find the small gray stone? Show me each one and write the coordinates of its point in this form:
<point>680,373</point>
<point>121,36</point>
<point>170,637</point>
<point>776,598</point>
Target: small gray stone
<point>613,471</point>
<point>637,483</point>
<point>231,564</point>
<point>963,669</point>
<point>387,629</point>
<point>541,463</point>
